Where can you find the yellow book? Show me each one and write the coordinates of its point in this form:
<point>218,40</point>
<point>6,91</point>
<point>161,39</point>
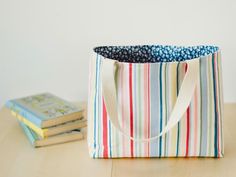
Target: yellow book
<point>54,130</point>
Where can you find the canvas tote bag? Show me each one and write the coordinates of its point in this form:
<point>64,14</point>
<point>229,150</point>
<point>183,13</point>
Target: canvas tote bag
<point>155,101</point>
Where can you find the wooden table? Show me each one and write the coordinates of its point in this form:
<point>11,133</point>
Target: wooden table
<point>19,159</point>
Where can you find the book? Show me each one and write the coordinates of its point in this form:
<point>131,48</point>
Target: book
<point>54,130</point>
<point>37,141</point>
<point>45,110</point>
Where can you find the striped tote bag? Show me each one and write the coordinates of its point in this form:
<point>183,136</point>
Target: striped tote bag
<point>155,101</point>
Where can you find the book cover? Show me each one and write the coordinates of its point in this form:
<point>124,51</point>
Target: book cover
<point>45,110</point>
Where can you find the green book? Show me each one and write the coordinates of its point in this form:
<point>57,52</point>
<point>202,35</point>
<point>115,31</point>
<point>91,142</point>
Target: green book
<point>37,141</point>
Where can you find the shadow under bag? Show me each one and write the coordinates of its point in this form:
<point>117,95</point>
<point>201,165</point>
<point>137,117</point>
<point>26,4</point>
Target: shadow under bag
<point>155,101</point>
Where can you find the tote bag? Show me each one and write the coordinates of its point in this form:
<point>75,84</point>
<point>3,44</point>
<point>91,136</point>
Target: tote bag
<point>155,101</point>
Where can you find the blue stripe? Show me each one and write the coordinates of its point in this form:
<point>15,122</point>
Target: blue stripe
<point>216,115</point>
<point>99,101</point>
<point>95,107</point>
<point>204,107</point>
<point>154,97</point>
<point>166,106</point>
<point>160,77</point>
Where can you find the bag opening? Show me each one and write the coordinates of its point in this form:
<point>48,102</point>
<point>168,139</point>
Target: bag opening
<point>154,53</point>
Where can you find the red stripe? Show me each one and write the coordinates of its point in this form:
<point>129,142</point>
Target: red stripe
<point>188,114</point>
<point>148,106</point>
<point>104,123</point>
<point>187,138</point>
<point>131,110</point>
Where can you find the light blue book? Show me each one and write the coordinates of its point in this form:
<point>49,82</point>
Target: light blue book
<point>37,141</point>
<point>45,110</point>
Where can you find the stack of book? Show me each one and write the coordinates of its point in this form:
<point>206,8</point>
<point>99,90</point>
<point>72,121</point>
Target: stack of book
<point>47,119</point>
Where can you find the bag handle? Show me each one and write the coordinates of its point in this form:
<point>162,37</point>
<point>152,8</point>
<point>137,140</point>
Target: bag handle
<point>109,68</point>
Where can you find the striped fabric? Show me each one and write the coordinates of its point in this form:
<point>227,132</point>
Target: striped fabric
<point>146,95</point>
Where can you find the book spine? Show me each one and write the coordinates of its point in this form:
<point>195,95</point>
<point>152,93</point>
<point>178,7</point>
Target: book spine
<point>28,133</point>
<point>27,115</point>
<point>39,131</point>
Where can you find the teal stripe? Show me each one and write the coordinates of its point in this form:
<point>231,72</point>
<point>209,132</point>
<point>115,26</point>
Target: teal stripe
<point>215,110</point>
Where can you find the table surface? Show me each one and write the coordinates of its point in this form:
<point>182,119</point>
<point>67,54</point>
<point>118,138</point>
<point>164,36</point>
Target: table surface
<point>19,159</point>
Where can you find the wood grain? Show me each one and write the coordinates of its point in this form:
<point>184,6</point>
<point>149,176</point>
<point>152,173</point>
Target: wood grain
<point>19,159</point>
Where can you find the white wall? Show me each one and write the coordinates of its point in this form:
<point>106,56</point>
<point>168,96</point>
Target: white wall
<point>45,44</point>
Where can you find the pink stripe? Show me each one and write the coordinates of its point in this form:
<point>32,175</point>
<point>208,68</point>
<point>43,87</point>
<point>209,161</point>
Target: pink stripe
<point>187,123</point>
<point>131,110</point>
<point>104,123</point>
<point>148,107</point>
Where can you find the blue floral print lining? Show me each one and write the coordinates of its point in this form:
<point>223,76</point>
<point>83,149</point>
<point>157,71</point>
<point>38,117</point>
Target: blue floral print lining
<point>154,53</point>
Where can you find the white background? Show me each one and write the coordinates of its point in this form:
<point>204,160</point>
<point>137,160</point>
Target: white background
<point>45,44</point>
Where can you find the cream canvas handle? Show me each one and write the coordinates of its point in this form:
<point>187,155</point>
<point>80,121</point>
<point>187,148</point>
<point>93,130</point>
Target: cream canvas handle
<point>109,68</point>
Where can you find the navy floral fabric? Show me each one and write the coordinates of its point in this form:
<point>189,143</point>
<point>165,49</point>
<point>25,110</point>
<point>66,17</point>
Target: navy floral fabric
<point>154,53</point>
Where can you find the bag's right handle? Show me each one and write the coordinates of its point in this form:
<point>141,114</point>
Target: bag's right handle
<point>109,68</point>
